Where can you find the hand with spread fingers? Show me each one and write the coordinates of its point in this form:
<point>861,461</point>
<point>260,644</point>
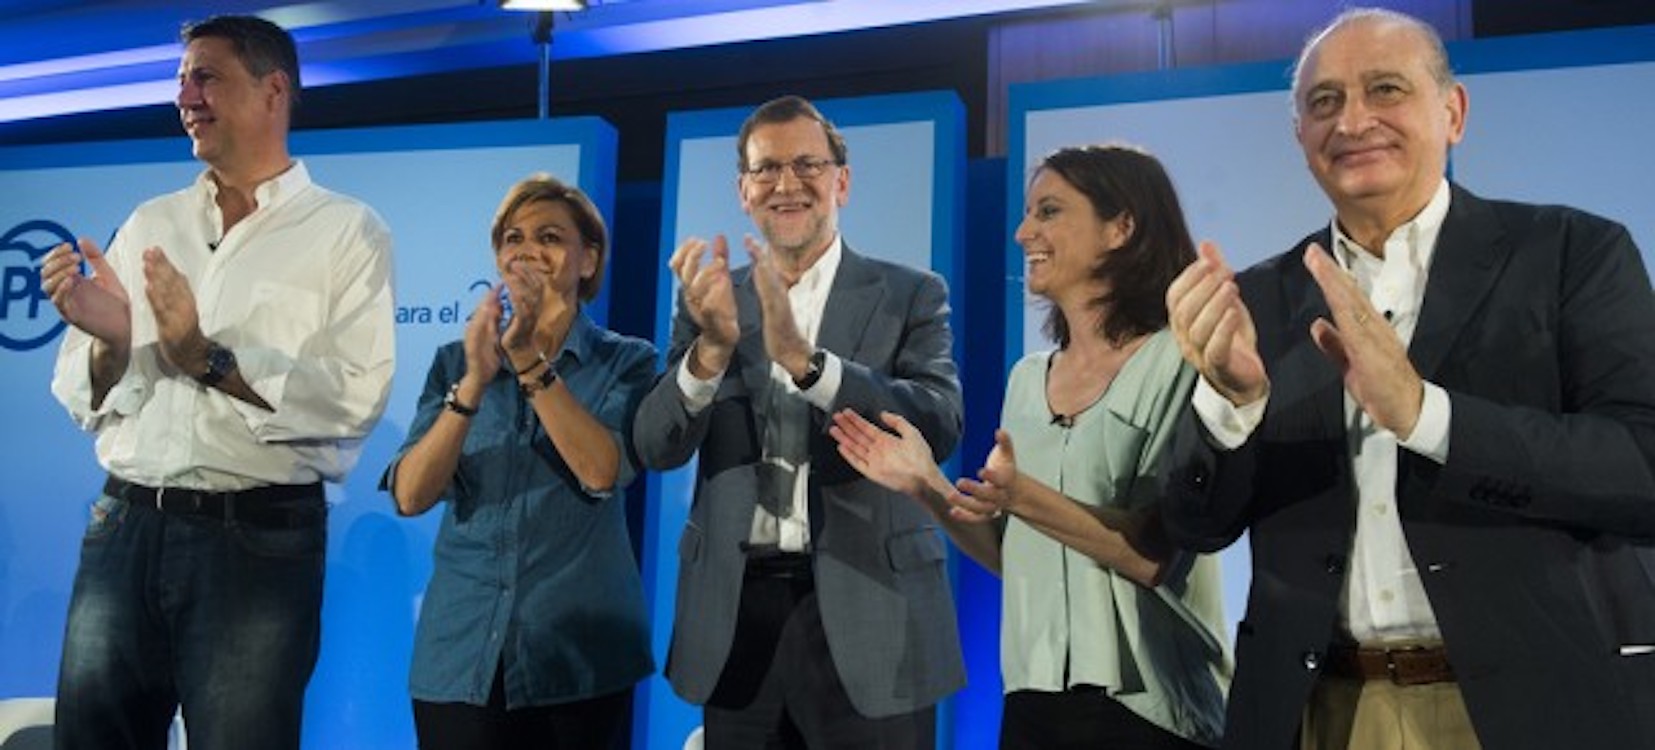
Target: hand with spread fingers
<point>1371,358</point>
<point>1215,330</point>
<point>709,297</point>
<point>97,304</point>
<point>782,340</point>
<point>900,461</point>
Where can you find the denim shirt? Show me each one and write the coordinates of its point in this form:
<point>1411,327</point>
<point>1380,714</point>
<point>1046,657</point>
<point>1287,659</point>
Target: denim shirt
<point>532,573</point>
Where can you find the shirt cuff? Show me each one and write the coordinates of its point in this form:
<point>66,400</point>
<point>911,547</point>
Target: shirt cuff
<point>1228,425</point>
<point>698,393</point>
<point>1430,436</point>
<point>826,388</point>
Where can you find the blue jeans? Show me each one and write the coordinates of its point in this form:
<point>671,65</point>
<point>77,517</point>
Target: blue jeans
<point>221,617</point>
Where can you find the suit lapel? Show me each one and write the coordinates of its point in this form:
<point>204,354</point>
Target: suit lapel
<point>856,290</point>
<point>1304,362</point>
<point>1471,250</point>
<point>750,354</point>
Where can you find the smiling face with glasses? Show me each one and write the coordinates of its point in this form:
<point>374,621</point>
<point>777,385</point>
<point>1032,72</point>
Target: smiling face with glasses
<point>793,188</point>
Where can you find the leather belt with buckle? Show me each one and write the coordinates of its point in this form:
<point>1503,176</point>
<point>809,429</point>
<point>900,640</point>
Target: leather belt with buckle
<point>1407,665</point>
<point>270,506</point>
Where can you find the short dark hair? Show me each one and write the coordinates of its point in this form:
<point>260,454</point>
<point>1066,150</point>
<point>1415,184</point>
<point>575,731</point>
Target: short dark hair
<point>262,46</point>
<point>787,109</point>
<point>544,187</point>
<point>1119,179</point>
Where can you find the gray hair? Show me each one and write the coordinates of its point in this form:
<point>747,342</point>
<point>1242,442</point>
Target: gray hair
<point>1436,54</point>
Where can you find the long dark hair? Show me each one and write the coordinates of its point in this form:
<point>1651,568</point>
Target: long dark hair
<point>1119,179</point>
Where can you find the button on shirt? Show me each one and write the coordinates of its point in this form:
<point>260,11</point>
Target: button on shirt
<point>531,572</point>
<point>789,423</point>
<point>300,290</point>
<point>1383,598</point>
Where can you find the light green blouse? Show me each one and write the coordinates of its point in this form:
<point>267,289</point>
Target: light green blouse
<point>1069,620</point>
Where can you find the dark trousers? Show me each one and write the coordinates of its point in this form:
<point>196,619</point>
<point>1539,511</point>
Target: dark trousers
<point>221,617</point>
<point>1079,718</point>
<point>779,688</point>
<point>591,724</point>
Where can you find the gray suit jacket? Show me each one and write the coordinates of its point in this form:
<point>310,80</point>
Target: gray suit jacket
<point>1539,323</point>
<point>880,580</point>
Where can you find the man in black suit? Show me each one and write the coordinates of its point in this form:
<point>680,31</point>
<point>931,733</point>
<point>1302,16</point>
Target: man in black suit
<point>1436,417</point>
<point>813,608</point>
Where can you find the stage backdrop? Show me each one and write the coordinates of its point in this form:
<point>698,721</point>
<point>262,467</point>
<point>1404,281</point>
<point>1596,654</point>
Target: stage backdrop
<point>437,187</point>
<point>907,155</point>
<point>1554,118</point>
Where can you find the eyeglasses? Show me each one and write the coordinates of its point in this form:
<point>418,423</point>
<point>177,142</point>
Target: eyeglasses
<point>804,168</point>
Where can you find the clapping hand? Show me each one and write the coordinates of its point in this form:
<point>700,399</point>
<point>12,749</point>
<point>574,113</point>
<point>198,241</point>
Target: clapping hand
<point>97,304</point>
<point>1215,330</point>
<point>900,461</point>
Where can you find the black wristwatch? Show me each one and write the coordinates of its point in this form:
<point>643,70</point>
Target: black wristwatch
<point>220,363</point>
<point>531,386</point>
<point>813,370</point>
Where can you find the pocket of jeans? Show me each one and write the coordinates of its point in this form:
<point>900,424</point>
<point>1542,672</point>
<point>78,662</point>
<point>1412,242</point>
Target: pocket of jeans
<point>107,514</point>
<point>295,544</point>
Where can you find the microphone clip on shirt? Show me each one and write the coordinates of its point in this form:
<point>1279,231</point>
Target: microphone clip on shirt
<point>1063,420</point>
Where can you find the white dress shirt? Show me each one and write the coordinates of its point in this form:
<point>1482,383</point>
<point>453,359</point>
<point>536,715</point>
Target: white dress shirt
<point>300,291</point>
<point>1383,598</point>
<point>791,408</point>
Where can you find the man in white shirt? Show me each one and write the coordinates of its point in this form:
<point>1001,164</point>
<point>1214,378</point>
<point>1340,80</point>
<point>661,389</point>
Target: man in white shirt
<point>230,352</point>
<point>813,607</point>
<point>1436,418</point>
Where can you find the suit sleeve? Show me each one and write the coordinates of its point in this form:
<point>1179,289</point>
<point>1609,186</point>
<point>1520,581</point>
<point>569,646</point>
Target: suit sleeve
<point>1588,462</point>
<point>664,433</point>
<point>1208,489</point>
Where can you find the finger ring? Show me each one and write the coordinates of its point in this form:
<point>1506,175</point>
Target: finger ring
<point>1362,318</point>
<point>998,512</point>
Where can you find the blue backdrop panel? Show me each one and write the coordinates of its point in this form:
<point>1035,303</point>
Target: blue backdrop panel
<point>1539,129</point>
<point>437,187</point>
<point>907,157</point>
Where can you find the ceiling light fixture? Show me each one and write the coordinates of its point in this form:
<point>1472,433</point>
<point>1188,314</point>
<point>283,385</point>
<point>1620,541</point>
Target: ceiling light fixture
<point>541,35</point>
<point>544,5</point>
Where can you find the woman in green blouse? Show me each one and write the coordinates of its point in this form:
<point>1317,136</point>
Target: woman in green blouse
<point>1109,637</point>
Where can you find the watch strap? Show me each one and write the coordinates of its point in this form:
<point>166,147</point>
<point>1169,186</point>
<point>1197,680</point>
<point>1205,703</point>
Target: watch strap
<point>813,370</point>
<point>220,363</point>
<point>538,383</point>
<point>452,402</point>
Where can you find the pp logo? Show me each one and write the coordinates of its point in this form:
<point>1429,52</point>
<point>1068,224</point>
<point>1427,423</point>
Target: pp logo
<point>27,318</point>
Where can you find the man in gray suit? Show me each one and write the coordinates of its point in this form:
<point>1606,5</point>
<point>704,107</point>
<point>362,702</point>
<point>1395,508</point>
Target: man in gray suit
<point>813,605</point>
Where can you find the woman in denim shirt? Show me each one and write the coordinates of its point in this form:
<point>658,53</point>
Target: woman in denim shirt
<point>533,627</point>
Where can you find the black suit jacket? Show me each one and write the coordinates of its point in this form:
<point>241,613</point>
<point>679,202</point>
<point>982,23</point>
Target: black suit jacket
<point>1539,322</point>
<point>883,592</point>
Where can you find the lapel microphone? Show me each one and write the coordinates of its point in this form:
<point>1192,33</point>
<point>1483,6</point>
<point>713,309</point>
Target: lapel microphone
<point>1063,420</point>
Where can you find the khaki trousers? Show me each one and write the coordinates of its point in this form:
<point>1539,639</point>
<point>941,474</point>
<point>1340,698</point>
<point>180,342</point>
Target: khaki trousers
<point>1350,714</point>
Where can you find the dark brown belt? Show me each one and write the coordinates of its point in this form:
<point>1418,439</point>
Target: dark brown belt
<point>1407,665</point>
<point>277,506</point>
